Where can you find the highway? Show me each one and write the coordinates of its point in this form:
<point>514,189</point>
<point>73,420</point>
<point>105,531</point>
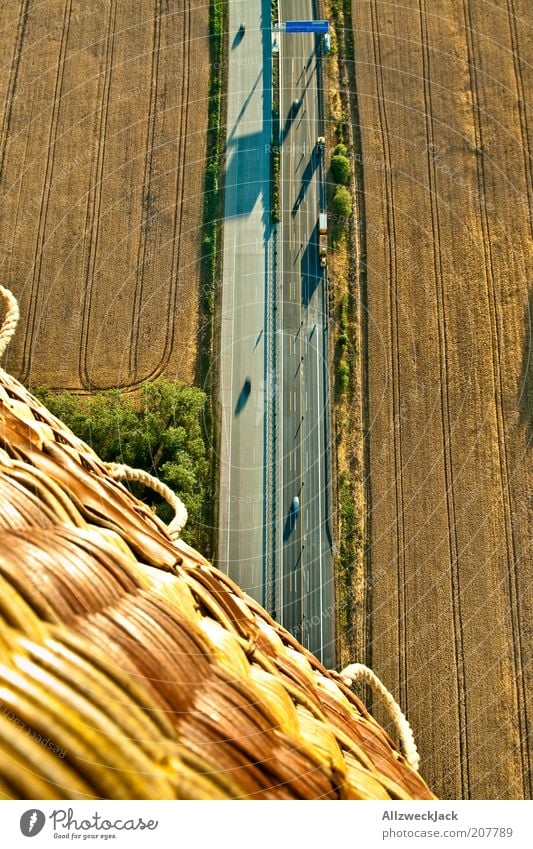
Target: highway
<point>292,574</point>
<point>246,240</point>
<point>307,598</point>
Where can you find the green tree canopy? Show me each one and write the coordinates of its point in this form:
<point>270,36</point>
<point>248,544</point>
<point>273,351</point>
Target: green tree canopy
<point>342,202</point>
<point>340,150</point>
<point>341,169</point>
<point>161,431</point>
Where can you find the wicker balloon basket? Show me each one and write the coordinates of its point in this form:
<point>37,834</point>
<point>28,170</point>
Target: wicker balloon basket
<point>133,669</point>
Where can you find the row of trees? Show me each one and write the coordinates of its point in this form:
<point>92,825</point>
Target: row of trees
<point>161,431</point>
<point>215,133</point>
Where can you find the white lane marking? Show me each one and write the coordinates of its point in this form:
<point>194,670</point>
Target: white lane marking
<point>320,515</point>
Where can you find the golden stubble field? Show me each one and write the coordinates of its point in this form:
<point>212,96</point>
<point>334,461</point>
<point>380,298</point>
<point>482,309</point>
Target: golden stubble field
<point>103,107</point>
<point>445,99</point>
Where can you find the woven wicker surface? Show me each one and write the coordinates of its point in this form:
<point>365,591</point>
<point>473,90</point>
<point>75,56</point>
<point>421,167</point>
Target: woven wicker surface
<point>131,668</point>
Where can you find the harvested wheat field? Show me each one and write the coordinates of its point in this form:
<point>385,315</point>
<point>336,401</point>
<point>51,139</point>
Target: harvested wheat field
<point>104,115</point>
<point>445,98</point>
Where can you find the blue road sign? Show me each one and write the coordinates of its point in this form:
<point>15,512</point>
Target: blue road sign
<point>306,26</point>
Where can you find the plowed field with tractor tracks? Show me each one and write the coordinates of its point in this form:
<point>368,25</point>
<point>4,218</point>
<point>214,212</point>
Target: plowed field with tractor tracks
<point>445,98</point>
<point>103,111</point>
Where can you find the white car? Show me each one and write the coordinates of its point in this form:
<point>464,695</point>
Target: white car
<point>295,507</point>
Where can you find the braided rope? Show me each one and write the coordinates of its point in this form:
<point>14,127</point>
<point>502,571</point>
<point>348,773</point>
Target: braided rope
<point>116,470</point>
<point>357,672</point>
<point>11,318</point>
<point>120,472</point>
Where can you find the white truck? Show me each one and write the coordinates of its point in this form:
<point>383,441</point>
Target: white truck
<point>323,238</point>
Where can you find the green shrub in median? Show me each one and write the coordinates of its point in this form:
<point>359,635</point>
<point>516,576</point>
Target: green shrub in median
<point>342,203</point>
<point>340,150</point>
<point>343,376</point>
<point>341,169</point>
<point>341,130</point>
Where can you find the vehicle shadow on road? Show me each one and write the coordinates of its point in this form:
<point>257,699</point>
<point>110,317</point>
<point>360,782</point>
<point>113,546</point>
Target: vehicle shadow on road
<point>310,168</point>
<point>239,35</point>
<point>288,527</point>
<point>289,121</point>
<point>244,107</point>
<point>243,172</point>
<point>244,394</point>
<point>310,270</point>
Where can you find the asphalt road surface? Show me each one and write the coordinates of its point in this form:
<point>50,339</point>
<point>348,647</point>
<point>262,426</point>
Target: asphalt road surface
<point>307,596</point>
<point>247,234</point>
<point>304,591</point>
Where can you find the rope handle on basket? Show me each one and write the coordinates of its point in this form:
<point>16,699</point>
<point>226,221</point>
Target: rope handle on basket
<point>117,470</point>
<point>356,672</point>
<point>10,321</point>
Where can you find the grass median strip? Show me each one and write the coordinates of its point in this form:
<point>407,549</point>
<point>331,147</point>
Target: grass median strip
<point>346,214</point>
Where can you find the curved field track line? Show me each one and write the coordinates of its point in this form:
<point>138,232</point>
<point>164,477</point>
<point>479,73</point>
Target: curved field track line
<point>94,202</point>
<point>29,327</point>
<point>521,99</point>
<point>180,190</point>
<point>445,405</point>
<point>395,364</point>
<point>13,79</point>
<point>183,147</point>
<point>147,179</point>
<point>496,336</point>
<point>178,206</point>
